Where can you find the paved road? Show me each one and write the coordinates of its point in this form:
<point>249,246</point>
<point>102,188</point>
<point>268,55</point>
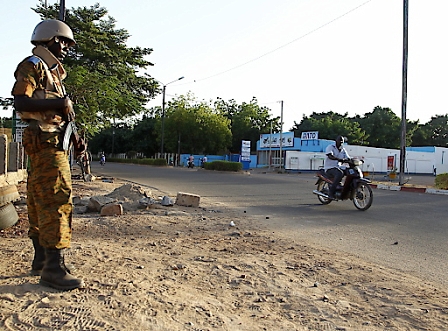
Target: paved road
<point>417,222</point>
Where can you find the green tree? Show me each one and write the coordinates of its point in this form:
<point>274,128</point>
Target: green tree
<point>143,137</point>
<point>116,140</point>
<point>330,125</point>
<point>6,103</point>
<point>433,133</point>
<point>104,80</point>
<point>247,121</point>
<point>384,128</point>
<point>195,127</point>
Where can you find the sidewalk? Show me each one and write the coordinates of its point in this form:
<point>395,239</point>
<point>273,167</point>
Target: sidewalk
<point>408,179</point>
<point>412,183</point>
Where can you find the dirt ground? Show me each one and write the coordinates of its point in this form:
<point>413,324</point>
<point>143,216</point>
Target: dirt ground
<point>183,268</point>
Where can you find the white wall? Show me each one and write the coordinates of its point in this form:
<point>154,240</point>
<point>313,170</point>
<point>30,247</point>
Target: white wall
<point>375,159</point>
<point>441,159</point>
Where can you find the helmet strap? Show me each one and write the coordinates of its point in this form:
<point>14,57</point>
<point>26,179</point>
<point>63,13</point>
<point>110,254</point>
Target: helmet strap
<point>52,41</point>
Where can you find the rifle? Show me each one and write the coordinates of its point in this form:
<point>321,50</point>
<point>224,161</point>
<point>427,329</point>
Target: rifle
<point>71,131</point>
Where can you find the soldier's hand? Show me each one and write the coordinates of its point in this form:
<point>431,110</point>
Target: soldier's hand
<point>68,112</point>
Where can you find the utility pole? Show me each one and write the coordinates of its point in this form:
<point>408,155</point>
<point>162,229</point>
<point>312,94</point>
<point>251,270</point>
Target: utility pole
<point>163,113</point>
<point>163,120</point>
<point>61,10</point>
<point>270,147</point>
<point>281,135</point>
<point>404,92</point>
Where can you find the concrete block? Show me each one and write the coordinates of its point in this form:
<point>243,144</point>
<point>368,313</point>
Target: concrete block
<point>187,199</point>
<point>112,209</point>
<point>97,202</point>
<point>13,156</point>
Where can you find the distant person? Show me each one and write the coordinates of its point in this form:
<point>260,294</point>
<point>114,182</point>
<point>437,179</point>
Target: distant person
<point>102,159</point>
<point>191,161</point>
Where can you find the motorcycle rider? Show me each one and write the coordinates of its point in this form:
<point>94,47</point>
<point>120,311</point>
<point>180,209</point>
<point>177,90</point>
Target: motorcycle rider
<point>191,161</point>
<point>102,159</point>
<point>336,154</point>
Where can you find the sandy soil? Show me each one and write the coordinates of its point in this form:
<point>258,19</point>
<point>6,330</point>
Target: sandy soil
<point>183,268</point>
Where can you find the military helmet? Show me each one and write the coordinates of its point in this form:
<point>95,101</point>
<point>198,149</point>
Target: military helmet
<point>48,29</point>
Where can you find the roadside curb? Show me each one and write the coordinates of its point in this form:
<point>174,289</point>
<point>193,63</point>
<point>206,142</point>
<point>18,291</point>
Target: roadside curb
<point>435,191</point>
<point>409,189</point>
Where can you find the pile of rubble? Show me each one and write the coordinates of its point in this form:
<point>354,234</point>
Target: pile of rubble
<point>130,197</point>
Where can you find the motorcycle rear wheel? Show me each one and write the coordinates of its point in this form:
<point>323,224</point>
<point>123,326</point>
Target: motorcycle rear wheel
<point>363,196</point>
<point>323,187</point>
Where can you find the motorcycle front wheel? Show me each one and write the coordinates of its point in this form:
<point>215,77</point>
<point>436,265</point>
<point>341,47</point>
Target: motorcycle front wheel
<point>363,197</point>
<point>323,187</point>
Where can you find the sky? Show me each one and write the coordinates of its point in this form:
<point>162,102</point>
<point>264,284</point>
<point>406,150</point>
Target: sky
<point>344,56</point>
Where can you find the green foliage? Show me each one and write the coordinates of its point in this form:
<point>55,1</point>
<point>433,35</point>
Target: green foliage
<point>153,162</point>
<point>194,127</point>
<point>383,126</point>
<point>143,136</point>
<point>379,128</point>
<point>441,181</point>
<point>6,122</point>
<point>131,154</point>
<point>5,103</point>
<point>103,78</point>
<point>223,166</point>
<point>433,133</point>
<point>113,140</point>
<point>330,125</point>
<point>139,136</point>
<point>247,121</point>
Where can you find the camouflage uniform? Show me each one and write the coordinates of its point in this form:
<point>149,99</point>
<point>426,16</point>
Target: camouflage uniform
<point>49,184</point>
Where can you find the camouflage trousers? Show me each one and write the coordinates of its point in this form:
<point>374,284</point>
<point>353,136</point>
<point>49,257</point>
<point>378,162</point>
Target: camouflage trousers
<point>49,188</point>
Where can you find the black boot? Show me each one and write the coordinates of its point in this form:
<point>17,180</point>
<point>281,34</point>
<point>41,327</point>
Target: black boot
<point>55,273</point>
<point>39,259</point>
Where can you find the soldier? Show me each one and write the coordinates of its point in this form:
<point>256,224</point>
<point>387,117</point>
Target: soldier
<point>40,100</point>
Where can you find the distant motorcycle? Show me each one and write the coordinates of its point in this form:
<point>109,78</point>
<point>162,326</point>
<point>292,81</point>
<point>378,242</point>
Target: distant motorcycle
<point>102,160</point>
<point>355,186</point>
<point>190,164</point>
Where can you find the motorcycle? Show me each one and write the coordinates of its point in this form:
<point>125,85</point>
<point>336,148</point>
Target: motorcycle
<point>355,186</point>
<point>190,164</point>
<point>102,160</point>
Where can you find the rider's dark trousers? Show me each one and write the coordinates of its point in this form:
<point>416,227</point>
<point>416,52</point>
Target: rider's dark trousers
<point>337,175</point>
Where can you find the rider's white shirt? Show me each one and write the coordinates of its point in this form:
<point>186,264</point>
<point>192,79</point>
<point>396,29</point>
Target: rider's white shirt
<point>333,150</point>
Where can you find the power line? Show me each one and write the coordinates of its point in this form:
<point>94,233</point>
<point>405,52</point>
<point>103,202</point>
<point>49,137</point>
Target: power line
<point>284,45</point>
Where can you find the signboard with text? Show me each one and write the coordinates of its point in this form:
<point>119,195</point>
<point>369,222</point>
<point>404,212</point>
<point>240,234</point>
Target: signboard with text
<point>310,135</point>
<point>390,162</point>
<point>245,150</point>
<point>273,140</point>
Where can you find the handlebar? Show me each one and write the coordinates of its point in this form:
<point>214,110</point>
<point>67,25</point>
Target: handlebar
<point>355,161</point>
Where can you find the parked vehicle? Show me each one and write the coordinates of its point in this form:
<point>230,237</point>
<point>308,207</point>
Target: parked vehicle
<point>355,187</point>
